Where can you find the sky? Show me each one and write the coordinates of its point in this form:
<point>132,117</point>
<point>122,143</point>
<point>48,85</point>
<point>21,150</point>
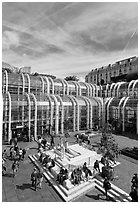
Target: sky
<point>68,38</point>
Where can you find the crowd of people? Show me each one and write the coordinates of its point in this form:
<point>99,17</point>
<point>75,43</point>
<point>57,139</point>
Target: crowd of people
<point>76,176</point>
<point>42,142</point>
<point>46,161</point>
<point>15,154</point>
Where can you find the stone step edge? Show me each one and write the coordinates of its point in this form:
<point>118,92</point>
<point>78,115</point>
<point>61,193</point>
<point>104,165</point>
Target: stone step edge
<point>103,191</point>
<point>74,188</point>
<point>58,164</point>
<point>63,196</point>
<point>48,178</point>
<point>116,195</point>
<point>117,189</point>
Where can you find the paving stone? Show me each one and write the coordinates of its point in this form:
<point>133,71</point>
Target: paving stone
<point>12,199</point>
<point>47,194</point>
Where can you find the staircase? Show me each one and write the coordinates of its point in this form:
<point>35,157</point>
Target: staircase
<point>72,192</point>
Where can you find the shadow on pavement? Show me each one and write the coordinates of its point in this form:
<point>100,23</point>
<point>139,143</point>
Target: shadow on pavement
<point>99,197</point>
<point>8,175</point>
<point>24,186</point>
<point>96,197</point>
<point>33,148</point>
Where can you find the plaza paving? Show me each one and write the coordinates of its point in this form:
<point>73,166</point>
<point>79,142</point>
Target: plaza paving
<point>19,188</point>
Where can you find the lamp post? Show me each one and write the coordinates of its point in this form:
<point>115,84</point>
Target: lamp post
<point>62,146</point>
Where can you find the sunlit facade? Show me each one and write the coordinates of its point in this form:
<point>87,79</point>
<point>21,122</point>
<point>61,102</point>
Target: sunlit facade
<point>113,72</point>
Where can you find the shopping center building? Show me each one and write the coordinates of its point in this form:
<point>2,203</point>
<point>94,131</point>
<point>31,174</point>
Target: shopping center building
<point>34,105</point>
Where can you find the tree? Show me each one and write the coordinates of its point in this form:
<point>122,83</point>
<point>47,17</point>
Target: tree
<point>108,144</point>
<point>71,78</point>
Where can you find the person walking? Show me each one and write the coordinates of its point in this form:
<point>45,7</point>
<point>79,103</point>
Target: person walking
<point>20,154</point>
<point>34,178</point>
<point>23,153</point>
<point>52,141</point>
<point>40,178</point>
<point>106,186</point>
<point>15,167</point>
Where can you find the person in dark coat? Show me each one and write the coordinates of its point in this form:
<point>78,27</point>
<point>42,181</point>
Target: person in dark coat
<point>106,186</point>
<point>134,181</point>
<point>96,166</point>
<point>23,153</point>
<point>84,166</point>
<point>134,195</point>
<point>52,141</point>
<point>60,175</point>
<point>34,178</point>
<point>41,157</point>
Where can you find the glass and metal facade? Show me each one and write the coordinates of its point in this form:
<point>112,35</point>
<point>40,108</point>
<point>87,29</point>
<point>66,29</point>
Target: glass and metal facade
<point>35,105</point>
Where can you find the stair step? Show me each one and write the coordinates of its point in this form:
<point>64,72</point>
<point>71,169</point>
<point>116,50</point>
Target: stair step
<point>67,195</point>
<point>115,191</point>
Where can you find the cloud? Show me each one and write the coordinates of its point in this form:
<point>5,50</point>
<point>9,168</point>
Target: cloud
<point>65,38</point>
<point>10,38</point>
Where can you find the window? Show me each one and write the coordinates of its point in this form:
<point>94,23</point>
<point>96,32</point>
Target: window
<point>91,78</point>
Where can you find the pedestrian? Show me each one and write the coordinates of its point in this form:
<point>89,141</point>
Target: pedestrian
<point>52,164</point>
<point>20,154</point>
<point>4,154</point>
<point>14,154</point>
<point>44,142</point>
<point>96,166</point>
<point>39,142</point>
<point>77,138</point>
<point>88,139</point>
<point>134,181</point>
<point>3,166</point>
<point>52,141</point>
<point>40,178</point>
<point>103,160</point>
<point>15,167</point>
<point>86,174</point>
<point>134,195</point>
<point>106,186</point>
<point>84,166</point>
<point>16,147</point>
<point>34,178</point>
<point>23,153</point>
